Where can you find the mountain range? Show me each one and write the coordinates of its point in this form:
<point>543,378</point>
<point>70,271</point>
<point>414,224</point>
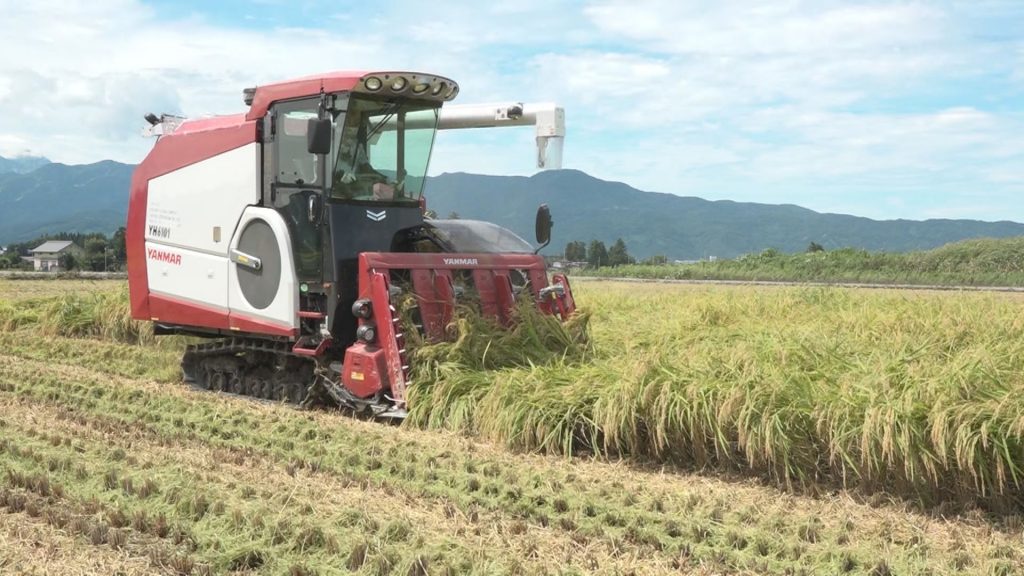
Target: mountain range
<point>94,198</point>
<point>61,198</point>
<point>21,164</point>
<point>681,227</point>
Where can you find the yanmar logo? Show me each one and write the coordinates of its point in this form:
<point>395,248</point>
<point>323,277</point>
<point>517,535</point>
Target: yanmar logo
<point>163,256</point>
<point>376,216</point>
<point>460,261</point>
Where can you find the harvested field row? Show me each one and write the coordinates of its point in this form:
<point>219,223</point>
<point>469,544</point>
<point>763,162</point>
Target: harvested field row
<point>240,510</point>
<point>31,546</point>
<point>201,450</point>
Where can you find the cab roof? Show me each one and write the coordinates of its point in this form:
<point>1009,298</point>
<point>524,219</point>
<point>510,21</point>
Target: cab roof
<point>406,84</point>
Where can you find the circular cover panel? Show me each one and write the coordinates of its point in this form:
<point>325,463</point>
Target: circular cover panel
<point>260,286</point>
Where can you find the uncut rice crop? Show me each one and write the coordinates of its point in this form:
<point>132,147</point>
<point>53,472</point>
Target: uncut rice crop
<point>456,376</point>
<point>99,314</point>
<point>917,393</point>
<point>14,289</point>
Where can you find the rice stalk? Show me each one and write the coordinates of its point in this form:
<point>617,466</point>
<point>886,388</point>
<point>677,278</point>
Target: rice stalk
<point>916,394</point>
<point>104,315</point>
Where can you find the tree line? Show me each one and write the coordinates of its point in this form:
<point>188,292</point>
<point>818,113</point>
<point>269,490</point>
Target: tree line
<point>596,254</point>
<point>98,253</point>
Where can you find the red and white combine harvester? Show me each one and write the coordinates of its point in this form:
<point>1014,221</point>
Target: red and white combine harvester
<point>287,234</point>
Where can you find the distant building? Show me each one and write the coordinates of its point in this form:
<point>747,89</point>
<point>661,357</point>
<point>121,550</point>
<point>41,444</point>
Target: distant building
<point>688,262</point>
<point>567,265</point>
<point>48,256</point>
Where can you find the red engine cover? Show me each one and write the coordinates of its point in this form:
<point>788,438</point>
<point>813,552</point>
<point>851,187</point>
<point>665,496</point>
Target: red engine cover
<point>365,371</point>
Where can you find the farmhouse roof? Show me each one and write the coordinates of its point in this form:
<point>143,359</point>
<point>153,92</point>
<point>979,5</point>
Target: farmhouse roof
<point>52,246</point>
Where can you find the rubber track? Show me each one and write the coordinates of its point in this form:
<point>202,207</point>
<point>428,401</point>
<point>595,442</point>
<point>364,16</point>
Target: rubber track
<point>252,367</point>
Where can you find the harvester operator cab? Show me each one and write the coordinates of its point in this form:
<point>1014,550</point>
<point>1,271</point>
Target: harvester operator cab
<point>337,157</point>
<point>350,170</point>
<point>382,148</point>
<point>355,177</point>
<point>362,142</point>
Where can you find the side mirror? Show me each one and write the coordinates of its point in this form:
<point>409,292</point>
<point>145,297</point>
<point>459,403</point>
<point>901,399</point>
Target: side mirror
<point>318,136</point>
<point>315,209</point>
<point>543,225</point>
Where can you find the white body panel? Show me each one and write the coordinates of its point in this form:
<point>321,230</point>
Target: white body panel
<point>188,275</point>
<point>197,207</point>
<point>191,214</point>
<point>284,309</point>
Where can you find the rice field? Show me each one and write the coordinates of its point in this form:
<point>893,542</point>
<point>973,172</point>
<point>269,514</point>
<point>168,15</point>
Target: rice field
<point>15,290</point>
<point>913,392</point>
<point>713,431</point>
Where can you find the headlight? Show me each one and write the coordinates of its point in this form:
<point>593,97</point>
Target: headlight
<point>366,333</point>
<point>362,308</point>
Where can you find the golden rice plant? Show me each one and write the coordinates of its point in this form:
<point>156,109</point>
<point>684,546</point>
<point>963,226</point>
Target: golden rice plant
<point>13,316</point>
<point>917,393</point>
<point>448,375</point>
<point>98,314</point>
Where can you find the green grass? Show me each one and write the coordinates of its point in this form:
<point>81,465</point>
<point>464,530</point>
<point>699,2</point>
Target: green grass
<point>984,262</point>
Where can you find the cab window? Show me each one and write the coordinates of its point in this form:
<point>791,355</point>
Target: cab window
<point>293,164</point>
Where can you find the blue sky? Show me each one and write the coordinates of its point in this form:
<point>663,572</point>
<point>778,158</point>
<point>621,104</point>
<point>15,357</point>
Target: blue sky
<point>882,109</point>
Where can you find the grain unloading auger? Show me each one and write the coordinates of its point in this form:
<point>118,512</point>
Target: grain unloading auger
<point>287,234</point>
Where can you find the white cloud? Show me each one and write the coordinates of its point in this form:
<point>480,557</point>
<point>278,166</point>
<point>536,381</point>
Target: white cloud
<point>825,104</point>
<point>755,28</point>
<point>96,68</point>
<point>1017,75</point>
<point>839,144</point>
<point>748,100</point>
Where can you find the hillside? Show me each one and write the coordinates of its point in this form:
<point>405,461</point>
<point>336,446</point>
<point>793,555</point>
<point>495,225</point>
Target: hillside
<point>61,198</point>
<point>22,164</point>
<point>682,227</point>
<point>93,198</point>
